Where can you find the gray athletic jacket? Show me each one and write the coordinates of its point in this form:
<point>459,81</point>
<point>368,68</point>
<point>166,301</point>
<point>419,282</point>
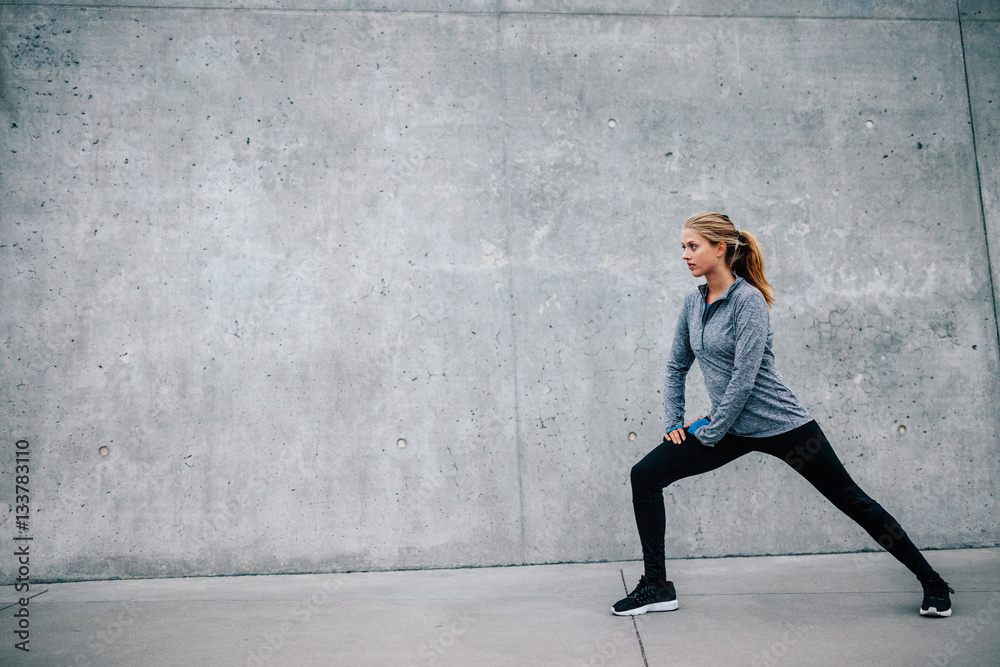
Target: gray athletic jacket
<point>732,342</point>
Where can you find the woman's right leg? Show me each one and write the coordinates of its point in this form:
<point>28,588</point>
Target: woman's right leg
<point>663,466</point>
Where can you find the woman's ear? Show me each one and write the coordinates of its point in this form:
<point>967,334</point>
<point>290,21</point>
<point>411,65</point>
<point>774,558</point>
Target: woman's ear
<point>720,249</point>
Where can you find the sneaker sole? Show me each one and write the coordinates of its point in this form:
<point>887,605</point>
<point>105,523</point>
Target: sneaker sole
<point>934,612</point>
<point>656,606</point>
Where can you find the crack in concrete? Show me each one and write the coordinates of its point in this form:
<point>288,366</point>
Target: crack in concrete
<point>635,626</point>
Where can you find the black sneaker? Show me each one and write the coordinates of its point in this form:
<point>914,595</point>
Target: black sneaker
<point>647,596</point>
<point>936,600</point>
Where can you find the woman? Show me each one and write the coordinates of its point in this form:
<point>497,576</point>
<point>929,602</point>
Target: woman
<point>725,326</point>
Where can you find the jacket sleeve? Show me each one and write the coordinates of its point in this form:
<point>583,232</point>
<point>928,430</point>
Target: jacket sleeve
<point>681,358</point>
<point>751,326</point>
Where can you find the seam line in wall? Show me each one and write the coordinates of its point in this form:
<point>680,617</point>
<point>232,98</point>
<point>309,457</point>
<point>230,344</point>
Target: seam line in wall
<point>979,180</point>
<point>505,157</point>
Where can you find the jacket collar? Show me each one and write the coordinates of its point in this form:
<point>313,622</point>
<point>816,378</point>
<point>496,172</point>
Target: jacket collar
<point>703,288</point>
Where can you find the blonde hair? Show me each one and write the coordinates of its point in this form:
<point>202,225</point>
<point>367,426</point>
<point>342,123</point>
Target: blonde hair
<point>743,253</point>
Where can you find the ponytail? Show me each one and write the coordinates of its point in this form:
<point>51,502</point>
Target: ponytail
<point>743,251</point>
<point>748,263</point>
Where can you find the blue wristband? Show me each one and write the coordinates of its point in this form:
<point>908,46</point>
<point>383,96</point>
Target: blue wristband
<point>697,425</point>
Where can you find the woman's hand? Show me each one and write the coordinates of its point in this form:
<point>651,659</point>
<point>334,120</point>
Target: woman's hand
<point>679,435</point>
<point>676,436</point>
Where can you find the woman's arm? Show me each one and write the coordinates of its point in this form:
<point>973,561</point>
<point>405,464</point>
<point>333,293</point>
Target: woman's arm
<point>751,340</point>
<point>678,365</point>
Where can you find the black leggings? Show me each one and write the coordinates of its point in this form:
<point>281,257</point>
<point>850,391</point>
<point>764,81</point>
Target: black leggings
<point>805,448</point>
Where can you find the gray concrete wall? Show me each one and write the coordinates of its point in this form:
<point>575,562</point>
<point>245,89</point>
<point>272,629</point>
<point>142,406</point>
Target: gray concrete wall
<point>365,288</point>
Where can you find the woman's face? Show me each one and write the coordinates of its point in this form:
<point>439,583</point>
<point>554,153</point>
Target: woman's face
<point>701,256</point>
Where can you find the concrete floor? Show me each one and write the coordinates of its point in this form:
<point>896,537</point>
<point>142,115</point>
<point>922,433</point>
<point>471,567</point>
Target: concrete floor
<point>844,609</point>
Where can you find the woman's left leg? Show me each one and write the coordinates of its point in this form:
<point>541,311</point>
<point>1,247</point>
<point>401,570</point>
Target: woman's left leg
<point>808,451</point>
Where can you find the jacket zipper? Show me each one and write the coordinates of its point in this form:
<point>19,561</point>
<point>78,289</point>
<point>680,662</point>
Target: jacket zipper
<point>707,312</point>
<point>704,320</point>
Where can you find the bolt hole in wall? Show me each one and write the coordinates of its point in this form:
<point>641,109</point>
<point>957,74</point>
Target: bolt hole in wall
<point>401,443</point>
<point>631,436</point>
<point>869,124</point>
<point>901,430</point>
<point>612,123</point>
<point>103,451</point>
